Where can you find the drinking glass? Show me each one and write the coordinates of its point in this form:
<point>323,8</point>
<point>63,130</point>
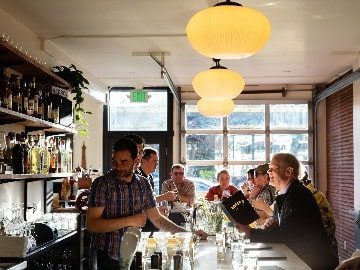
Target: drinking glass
<point>164,208</point>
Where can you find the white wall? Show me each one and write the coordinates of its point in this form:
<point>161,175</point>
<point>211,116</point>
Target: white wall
<point>29,43</point>
<point>93,143</point>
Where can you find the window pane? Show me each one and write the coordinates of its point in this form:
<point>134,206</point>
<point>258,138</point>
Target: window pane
<point>289,116</point>
<point>203,177</point>
<point>296,144</point>
<point>246,147</point>
<point>204,147</point>
<point>126,116</point>
<point>195,120</point>
<point>238,174</point>
<point>247,117</point>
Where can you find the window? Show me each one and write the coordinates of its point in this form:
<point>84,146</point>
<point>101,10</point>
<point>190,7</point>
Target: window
<point>249,136</point>
<point>153,114</point>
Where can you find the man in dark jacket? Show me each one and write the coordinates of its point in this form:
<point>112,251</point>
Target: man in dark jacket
<point>297,221</point>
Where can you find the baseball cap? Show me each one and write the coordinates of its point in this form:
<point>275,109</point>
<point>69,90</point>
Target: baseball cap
<point>262,168</point>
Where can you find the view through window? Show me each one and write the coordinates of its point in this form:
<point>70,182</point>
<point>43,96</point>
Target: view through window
<point>249,136</point>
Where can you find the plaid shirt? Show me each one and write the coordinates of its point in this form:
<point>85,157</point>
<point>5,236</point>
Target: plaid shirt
<point>120,199</point>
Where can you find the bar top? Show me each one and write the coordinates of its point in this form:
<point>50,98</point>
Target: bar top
<point>206,258</point>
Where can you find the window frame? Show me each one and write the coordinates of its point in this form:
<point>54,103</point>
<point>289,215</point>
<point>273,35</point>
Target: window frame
<point>267,132</point>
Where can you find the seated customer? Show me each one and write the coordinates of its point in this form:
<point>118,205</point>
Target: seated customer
<point>184,188</point>
<point>247,187</point>
<point>224,189</point>
<point>296,221</point>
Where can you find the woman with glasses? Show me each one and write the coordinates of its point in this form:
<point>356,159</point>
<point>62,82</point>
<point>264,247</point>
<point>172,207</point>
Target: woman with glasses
<point>296,220</point>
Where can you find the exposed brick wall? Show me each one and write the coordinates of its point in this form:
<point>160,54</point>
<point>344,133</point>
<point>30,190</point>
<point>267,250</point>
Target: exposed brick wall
<point>340,157</point>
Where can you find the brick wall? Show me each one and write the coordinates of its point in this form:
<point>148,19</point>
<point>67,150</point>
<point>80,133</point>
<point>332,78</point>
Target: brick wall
<point>340,157</point>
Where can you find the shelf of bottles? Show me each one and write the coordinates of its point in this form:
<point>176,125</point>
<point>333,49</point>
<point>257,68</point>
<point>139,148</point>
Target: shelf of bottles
<point>34,156</point>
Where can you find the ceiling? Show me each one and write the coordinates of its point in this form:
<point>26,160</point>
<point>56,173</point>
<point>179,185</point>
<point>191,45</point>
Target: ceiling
<point>311,41</point>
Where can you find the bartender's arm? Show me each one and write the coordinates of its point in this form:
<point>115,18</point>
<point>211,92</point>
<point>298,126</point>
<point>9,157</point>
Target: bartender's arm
<point>95,223</point>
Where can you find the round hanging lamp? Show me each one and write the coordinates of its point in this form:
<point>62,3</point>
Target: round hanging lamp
<point>228,31</point>
<point>218,83</point>
<point>215,107</point>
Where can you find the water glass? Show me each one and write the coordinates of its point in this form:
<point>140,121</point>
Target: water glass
<point>250,262</point>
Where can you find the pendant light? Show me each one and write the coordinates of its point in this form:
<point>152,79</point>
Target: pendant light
<point>228,31</point>
<point>215,107</point>
<point>218,83</point>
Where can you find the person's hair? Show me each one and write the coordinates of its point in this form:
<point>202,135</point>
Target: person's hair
<point>287,160</point>
<point>125,144</point>
<point>251,171</point>
<point>136,138</point>
<point>177,166</point>
<point>221,172</point>
<point>148,151</point>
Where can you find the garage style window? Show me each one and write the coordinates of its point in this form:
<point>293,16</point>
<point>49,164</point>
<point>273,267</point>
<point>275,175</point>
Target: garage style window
<point>249,136</point>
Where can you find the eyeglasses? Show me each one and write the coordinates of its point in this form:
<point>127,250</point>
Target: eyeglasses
<point>258,173</point>
<point>272,168</point>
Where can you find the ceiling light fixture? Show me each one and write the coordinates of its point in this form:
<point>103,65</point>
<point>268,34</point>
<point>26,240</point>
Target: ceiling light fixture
<point>215,107</point>
<point>218,83</point>
<point>228,31</point>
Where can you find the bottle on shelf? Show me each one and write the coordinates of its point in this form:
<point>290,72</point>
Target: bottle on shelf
<point>16,93</point>
<point>40,114</point>
<point>8,149</point>
<point>35,96</point>
<point>7,94</point>
<point>44,155</point>
<point>31,100</point>
<point>53,155</point>
<point>18,156</point>
<point>48,105</point>
<point>24,144</point>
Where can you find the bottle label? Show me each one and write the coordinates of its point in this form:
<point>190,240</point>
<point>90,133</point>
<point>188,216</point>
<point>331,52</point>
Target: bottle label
<point>26,103</point>
<point>31,107</point>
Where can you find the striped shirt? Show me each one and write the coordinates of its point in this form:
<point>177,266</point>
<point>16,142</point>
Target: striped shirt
<point>120,199</point>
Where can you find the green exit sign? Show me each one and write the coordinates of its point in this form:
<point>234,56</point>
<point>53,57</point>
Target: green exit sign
<point>139,96</point>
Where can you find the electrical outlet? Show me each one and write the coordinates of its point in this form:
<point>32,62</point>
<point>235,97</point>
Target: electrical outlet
<point>345,245</point>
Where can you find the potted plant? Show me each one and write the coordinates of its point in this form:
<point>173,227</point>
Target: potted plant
<point>78,82</point>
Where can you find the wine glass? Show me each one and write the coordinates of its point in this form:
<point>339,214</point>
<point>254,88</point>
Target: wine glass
<point>164,208</point>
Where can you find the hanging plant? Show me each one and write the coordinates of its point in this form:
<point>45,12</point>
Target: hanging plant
<point>78,82</point>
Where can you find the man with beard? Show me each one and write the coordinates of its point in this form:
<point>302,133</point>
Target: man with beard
<point>118,200</point>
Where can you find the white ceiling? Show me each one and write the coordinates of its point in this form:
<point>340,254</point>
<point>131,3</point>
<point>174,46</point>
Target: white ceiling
<point>312,41</point>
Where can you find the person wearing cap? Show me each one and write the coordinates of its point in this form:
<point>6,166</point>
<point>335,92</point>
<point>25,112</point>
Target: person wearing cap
<point>262,189</point>
<point>224,189</point>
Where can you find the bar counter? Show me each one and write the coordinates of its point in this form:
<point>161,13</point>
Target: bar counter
<point>206,258</point>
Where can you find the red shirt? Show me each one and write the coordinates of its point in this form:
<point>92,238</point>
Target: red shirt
<point>216,190</point>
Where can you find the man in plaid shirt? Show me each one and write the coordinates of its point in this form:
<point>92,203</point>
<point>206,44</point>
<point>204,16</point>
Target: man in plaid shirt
<point>118,200</point>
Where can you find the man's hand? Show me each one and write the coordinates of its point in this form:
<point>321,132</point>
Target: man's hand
<point>269,223</point>
<point>138,220</point>
<point>169,196</point>
<point>200,233</point>
<point>243,228</point>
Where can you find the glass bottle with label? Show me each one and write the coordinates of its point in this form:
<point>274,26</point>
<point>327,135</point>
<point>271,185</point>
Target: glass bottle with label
<point>35,95</point>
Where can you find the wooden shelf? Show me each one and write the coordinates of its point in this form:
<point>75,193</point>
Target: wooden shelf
<point>34,176</point>
<point>8,116</point>
<point>19,61</point>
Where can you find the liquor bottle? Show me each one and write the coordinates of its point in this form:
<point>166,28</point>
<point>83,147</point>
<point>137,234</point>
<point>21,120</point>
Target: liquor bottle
<point>69,156</point>
<point>53,156</point>
<point>35,96</point>
<point>40,102</point>
<point>31,100</point>
<point>44,155</point>
<point>17,102</point>
<point>34,155</point>
<point>26,148</point>
<point>8,94</point>
<point>59,156</point>
<point>8,149</point>
<point>18,156</point>
<point>48,105</point>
